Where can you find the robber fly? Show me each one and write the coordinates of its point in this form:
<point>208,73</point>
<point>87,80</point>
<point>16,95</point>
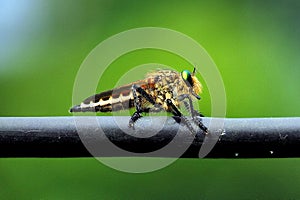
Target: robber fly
<point>161,90</point>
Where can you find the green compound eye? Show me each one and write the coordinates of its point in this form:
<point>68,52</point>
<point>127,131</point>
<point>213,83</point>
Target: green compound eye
<point>186,75</point>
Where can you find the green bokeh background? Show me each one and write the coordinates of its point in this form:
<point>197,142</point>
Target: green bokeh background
<point>255,45</point>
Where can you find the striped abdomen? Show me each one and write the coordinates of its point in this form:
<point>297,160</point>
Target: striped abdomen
<point>112,100</point>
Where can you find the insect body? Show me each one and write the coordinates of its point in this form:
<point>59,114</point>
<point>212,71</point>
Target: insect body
<point>161,90</point>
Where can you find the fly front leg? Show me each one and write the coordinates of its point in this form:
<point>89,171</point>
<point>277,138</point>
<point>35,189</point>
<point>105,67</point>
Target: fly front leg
<point>138,103</point>
<point>189,106</point>
<point>195,114</point>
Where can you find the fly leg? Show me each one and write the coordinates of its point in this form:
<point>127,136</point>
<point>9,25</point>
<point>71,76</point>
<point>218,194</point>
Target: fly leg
<point>177,113</point>
<point>195,114</point>
<point>137,102</point>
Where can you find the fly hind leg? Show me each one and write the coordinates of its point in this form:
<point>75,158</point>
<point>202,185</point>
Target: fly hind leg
<point>137,102</point>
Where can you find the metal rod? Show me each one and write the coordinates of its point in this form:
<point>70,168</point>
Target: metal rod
<point>78,136</point>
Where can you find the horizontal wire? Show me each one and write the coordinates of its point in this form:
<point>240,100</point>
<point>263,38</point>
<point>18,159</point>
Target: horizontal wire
<point>151,137</point>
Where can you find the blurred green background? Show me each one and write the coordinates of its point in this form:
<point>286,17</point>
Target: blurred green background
<point>255,45</point>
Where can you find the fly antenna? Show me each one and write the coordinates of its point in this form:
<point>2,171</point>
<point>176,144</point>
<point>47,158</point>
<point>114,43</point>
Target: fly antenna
<point>194,70</point>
